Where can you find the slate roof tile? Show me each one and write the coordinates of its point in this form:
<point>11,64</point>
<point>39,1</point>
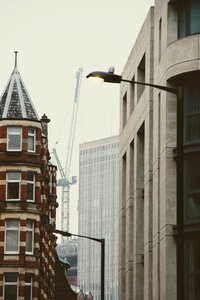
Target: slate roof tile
<point>15,102</point>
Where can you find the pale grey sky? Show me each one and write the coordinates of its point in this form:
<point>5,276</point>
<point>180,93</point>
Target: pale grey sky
<point>56,37</point>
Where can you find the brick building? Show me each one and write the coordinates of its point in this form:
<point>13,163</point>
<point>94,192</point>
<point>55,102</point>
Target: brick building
<point>27,199</point>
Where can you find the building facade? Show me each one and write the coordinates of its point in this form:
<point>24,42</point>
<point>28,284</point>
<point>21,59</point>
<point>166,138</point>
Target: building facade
<point>27,199</point>
<point>160,158</point>
<point>98,216</point>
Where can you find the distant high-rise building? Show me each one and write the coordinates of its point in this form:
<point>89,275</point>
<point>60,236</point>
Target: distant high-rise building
<point>98,215</point>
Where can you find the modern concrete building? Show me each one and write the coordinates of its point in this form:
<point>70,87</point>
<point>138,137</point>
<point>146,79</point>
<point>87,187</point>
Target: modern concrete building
<point>29,266</point>
<point>98,216</point>
<point>160,158</point>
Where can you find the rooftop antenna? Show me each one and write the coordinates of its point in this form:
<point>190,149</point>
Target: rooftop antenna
<point>16,59</point>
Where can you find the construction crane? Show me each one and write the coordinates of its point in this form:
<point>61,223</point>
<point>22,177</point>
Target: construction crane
<point>65,181</point>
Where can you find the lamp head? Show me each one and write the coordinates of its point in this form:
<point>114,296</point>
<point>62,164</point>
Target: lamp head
<point>105,76</point>
<point>63,233</point>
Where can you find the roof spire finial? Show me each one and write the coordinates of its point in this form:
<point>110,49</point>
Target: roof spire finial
<point>16,59</point>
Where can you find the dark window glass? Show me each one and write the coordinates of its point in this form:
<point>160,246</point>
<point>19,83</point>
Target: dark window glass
<point>195,17</point>
<point>192,188</point>
<point>141,74</point>
<point>192,114</point>
<point>124,112</point>
<point>10,287</point>
<point>189,17</point>
<point>182,20</point>
<point>13,190</point>
<point>192,265</point>
<point>28,287</point>
<point>13,185</point>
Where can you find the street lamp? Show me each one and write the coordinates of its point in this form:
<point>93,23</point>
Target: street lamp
<point>114,78</point>
<point>102,242</point>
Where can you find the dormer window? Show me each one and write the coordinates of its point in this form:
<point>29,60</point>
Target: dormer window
<point>14,139</point>
<point>31,139</point>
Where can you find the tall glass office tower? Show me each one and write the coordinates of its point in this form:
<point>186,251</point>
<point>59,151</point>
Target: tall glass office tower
<point>98,216</point>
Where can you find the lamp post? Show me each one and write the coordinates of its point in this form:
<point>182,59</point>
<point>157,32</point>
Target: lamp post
<point>114,78</point>
<point>102,242</point>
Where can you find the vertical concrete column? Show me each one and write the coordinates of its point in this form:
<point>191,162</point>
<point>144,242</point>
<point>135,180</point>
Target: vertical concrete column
<point>122,227</point>
<point>148,206</point>
<point>167,198</point>
<point>156,199</point>
<point>129,222</point>
<point>138,286</point>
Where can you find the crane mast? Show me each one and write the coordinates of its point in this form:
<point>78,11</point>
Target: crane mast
<point>73,122</point>
<point>65,182</point>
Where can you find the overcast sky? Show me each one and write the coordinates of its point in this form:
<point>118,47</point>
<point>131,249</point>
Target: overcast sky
<point>56,37</point>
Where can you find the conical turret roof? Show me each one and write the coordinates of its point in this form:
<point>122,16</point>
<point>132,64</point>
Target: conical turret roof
<point>15,101</point>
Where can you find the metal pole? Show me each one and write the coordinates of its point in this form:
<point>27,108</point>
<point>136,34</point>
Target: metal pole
<point>157,86</point>
<point>102,268</point>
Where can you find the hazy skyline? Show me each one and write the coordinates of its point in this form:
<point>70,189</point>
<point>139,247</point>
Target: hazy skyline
<point>54,39</point>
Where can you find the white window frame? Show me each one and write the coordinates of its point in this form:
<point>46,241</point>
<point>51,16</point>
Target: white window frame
<point>33,183</point>
<point>10,283</point>
<point>13,131</point>
<point>29,284</point>
<point>11,229</point>
<point>10,181</point>
<point>32,135</point>
<point>28,229</point>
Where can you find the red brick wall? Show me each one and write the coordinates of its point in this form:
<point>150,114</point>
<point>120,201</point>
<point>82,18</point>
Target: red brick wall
<point>42,263</point>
